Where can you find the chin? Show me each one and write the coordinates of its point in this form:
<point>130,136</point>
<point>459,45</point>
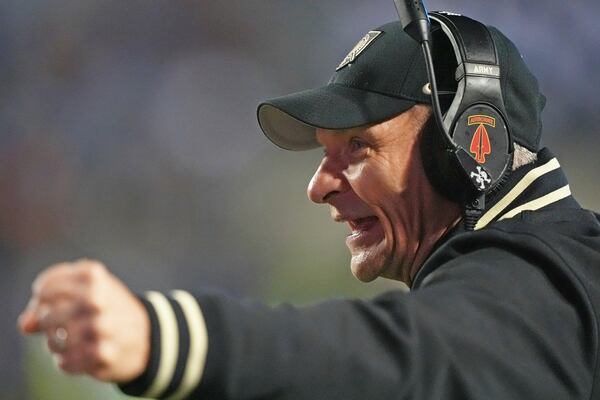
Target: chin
<point>367,267</point>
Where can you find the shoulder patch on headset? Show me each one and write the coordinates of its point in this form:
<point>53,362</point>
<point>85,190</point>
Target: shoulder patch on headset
<point>480,143</point>
<point>359,48</point>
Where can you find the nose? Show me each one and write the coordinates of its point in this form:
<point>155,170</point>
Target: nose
<point>327,181</point>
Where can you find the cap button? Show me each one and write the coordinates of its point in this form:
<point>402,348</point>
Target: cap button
<point>427,89</point>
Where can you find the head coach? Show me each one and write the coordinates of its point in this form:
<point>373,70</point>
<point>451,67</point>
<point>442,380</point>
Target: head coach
<point>432,159</point>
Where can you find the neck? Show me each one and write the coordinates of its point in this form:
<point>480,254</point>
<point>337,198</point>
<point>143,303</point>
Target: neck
<point>435,226</point>
<point>435,217</point>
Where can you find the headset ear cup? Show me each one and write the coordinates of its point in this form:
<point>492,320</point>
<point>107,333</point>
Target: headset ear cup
<point>482,132</point>
<point>440,165</point>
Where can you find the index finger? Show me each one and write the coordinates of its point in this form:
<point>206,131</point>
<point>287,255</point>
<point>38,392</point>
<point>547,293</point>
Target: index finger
<point>28,321</point>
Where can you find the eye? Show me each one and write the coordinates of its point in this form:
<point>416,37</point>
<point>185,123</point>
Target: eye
<point>357,144</point>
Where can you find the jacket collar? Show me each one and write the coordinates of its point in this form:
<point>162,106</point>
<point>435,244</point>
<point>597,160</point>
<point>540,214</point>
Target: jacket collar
<point>538,185</point>
<point>529,188</point>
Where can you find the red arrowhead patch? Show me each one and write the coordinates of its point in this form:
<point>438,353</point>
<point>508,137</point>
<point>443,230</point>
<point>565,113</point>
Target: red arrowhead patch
<point>480,144</point>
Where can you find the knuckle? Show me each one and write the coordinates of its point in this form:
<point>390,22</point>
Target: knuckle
<point>83,276</point>
<point>104,325</point>
<point>39,283</point>
<point>90,272</point>
<point>58,268</point>
<point>105,354</point>
<point>97,272</point>
<point>91,265</point>
<point>45,277</point>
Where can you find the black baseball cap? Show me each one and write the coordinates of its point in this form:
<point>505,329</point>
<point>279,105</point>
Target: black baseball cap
<point>385,75</point>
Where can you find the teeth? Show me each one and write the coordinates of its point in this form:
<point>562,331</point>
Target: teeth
<point>358,225</point>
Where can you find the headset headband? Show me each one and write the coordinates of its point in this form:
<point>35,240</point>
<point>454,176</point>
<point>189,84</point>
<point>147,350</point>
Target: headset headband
<point>478,71</point>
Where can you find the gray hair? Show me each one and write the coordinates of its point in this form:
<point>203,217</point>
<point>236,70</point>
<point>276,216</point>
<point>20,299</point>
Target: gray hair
<point>522,157</point>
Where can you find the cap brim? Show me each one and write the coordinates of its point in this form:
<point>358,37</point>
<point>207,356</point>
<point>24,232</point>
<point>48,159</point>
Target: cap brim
<point>290,121</point>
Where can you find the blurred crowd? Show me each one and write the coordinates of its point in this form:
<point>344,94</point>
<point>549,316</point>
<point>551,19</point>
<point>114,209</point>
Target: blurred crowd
<point>128,134</point>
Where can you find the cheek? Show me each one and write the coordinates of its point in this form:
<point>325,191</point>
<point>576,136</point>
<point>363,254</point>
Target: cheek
<point>375,183</point>
<point>381,187</point>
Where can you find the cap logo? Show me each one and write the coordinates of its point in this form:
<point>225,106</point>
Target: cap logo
<point>480,143</point>
<point>359,48</point>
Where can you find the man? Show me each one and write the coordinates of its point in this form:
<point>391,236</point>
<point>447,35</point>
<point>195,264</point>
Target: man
<point>507,311</point>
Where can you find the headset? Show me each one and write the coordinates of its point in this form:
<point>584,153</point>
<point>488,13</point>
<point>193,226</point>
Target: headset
<point>471,155</point>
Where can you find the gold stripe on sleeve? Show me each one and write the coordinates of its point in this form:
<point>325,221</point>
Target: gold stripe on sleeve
<point>194,367</point>
<point>169,344</point>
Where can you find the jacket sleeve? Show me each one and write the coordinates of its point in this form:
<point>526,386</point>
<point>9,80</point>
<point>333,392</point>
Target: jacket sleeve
<point>486,325</point>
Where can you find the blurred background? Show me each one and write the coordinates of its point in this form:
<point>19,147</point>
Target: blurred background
<point>128,134</point>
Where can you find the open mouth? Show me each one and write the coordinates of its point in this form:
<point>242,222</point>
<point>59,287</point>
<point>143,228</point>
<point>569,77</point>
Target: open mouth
<point>364,232</point>
<point>357,226</point>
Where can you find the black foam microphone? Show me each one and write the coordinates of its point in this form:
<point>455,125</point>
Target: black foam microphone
<point>414,19</point>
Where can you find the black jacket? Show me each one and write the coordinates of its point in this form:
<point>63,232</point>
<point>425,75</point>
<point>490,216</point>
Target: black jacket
<point>509,311</point>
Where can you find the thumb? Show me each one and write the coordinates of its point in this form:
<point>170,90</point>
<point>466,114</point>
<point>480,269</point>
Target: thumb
<point>28,322</point>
